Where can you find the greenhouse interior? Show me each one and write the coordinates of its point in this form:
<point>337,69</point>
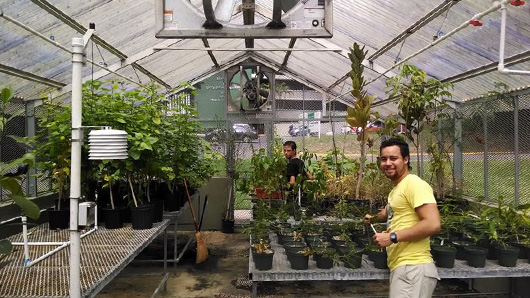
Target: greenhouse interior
<point>264,148</point>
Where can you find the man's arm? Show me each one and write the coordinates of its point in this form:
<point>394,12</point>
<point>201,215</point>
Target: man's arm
<point>428,225</point>
<point>309,176</point>
<point>381,216</point>
<point>292,180</point>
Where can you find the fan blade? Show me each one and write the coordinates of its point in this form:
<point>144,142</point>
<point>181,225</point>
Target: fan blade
<point>276,22</point>
<point>288,4</point>
<point>210,23</point>
<point>244,76</point>
<point>224,9</point>
<point>234,84</point>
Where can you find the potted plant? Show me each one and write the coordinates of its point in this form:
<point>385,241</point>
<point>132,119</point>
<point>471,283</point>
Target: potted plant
<point>263,256</point>
<point>53,154</point>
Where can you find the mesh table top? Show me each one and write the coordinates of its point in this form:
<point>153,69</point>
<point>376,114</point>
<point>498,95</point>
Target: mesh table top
<point>281,269</point>
<point>104,253</point>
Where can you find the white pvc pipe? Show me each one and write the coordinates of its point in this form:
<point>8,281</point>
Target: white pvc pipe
<point>501,67</point>
<point>25,237</point>
<point>78,46</point>
<point>60,244</point>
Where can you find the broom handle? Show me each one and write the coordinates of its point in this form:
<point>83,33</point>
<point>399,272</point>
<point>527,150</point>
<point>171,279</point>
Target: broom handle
<point>191,206</point>
<point>203,209</point>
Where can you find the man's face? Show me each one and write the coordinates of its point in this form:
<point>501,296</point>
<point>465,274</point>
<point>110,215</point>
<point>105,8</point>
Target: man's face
<point>392,163</point>
<point>288,152</point>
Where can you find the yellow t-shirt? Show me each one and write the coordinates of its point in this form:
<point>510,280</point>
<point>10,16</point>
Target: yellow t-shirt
<point>410,193</point>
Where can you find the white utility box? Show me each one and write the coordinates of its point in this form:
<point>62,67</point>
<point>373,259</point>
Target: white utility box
<point>87,214</point>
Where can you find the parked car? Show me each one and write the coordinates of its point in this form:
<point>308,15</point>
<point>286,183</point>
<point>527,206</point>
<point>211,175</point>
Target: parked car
<point>240,132</point>
<point>302,130</point>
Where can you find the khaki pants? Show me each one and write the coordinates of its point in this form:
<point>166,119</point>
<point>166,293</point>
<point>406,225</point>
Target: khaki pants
<point>413,281</point>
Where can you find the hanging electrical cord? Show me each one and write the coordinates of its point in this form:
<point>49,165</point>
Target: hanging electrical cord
<point>440,29</point>
<point>399,53</point>
<point>101,55</point>
<point>134,68</point>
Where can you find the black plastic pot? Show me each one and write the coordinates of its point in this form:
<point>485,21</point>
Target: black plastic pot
<point>125,214</point>
<point>263,261</point>
<point>299,261</point>
<point>476,256</point>
<point>460,248</point>
<point>445,256</point>
<point>380,259</point>
<point>323,262</point>
<point>141,217</point>
<point>58,219</point>
<point>158,210</point>
<point>523,254</point>
<point>227,226</point>
<point>353,261</point>
<point>507,256</point>
<point>433,250</point>
<point>113,218</point>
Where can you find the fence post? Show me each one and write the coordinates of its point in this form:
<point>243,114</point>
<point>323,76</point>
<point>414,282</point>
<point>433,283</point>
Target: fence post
<point>457,154</point>
<point>485,121</point>
<point>31,180</point>
<point>516,146</point>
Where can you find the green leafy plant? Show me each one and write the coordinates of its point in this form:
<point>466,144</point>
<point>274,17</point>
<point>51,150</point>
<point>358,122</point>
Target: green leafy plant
<point>11,183</point>
<point>360,114</point>
<point>416,96</point>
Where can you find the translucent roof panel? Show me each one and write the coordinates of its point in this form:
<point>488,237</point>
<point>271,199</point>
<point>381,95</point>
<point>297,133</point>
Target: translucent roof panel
<point>126,28</point>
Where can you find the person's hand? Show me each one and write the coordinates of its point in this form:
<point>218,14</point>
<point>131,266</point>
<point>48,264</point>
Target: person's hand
<point>368,218</point>
<point>382,239</point>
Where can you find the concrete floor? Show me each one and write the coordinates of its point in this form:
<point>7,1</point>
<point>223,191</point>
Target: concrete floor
<point>229,261</point>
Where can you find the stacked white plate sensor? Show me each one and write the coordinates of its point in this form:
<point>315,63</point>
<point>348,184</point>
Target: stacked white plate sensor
<point>107,144</point>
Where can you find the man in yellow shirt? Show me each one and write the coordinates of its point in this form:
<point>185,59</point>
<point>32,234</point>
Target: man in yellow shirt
<point>412,216</point>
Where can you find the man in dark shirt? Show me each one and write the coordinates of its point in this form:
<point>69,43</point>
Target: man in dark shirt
<point>295,166</point>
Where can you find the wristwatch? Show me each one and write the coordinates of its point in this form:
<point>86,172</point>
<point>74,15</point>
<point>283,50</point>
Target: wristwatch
<point>393,237</point>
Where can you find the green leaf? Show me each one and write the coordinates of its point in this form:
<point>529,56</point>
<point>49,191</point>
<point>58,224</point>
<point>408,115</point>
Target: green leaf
<point>135,155</point>
<point>28,207</point>
<point>5,247</point>
<point>7,94</point>
<point>12,185</point>
<point>156,120</point>
<point>120,120</point>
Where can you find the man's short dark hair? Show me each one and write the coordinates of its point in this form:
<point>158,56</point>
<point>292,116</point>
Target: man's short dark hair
<point>403,147</point>
<point>290,143</point>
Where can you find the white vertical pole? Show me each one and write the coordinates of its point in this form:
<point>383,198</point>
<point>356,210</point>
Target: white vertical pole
<point>25,238</point>
<point>75,173</point>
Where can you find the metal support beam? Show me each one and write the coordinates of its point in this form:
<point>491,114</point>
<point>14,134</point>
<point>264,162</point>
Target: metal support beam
<point>251,49</point>
<point>31,178</point>
<point>512,60</point>
<point>431,15</point>
<point>30,77</point>
<point>457,154</point>
<point>516,147</point>
<point>50,8</point>
<point>210,53</point>
<point>288,54</point>
<point>249,11</point>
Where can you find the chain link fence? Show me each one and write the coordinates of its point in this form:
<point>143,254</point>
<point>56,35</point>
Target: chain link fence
<point>495,147</point>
